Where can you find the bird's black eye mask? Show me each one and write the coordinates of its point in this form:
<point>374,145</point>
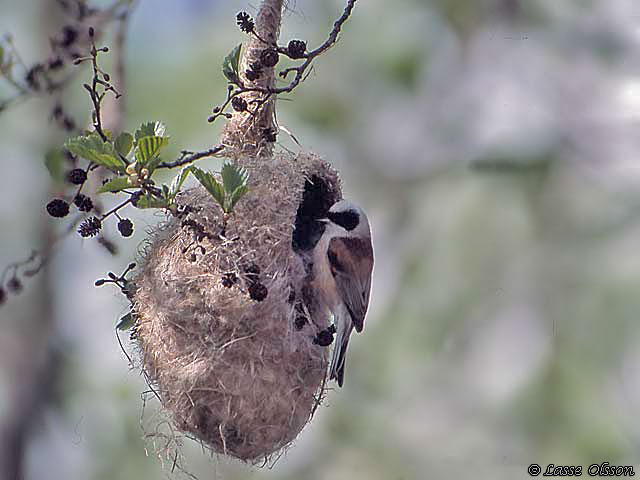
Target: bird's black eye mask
<point>347,220</point>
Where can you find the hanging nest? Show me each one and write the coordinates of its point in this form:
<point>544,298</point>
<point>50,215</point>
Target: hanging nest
<point>226,321</point>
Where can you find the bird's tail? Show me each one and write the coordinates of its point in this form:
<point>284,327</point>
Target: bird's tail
<point>340,350</point>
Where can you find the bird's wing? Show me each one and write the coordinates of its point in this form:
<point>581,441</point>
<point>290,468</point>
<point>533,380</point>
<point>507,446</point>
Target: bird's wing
<point>351,261</point>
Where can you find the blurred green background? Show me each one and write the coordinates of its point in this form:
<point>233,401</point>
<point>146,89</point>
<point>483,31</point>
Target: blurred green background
<point>494,145</point>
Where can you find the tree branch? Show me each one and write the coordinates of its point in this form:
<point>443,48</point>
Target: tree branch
<point>244,132</point>
<point>248,131</point>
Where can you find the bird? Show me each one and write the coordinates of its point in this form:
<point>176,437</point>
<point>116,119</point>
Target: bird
<point>342,269</point>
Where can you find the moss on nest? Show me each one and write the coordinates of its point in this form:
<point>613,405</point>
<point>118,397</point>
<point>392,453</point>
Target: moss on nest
<point>220,310</point>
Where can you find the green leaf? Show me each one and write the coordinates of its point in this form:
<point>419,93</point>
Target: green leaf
<point>230,65</point>
<point>148,148</point>
<point>115,185</point>
<point>1,54</point>
<point>126,322</point>
<point>177,182</point>
<point>124,143</point>
<point>95,150</point>
<point>151,201</point>
<point>233,177</point>
<point>210,183</point>
<point>108,134</point>
<point>54,161</point>
<point>237,194</point>
<point>150,129</point>
<point>153,164</point>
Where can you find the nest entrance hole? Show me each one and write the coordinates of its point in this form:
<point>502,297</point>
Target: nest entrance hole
<point>317,198</point>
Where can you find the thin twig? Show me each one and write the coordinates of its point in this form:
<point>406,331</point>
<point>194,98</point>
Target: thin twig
<point>329,42</point>
<point>131,364</point>
<point>42,255</point>
<point>96,98</point>
<point>116,208</point>
<point>186,158</point>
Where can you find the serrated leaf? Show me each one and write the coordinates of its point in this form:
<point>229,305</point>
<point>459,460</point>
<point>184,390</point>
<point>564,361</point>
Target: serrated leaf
<point>177,182</point>
<point>233,177</point>
<point>95,150</point>
<point>115,185</point>
<point>126,322</point>
<point>209,182</point>
<point>230,65</point>
<point>54,161</point>
<point>150,129</point>
<point>124,143</point>
<point>148,148</point>
<point>237,194</point>
<point>151,201</point>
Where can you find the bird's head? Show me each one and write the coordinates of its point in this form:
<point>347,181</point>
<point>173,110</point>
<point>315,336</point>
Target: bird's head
<point>345,216</point>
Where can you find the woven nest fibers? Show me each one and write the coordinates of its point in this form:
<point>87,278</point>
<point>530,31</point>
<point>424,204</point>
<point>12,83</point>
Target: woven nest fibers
<point>226,320</point>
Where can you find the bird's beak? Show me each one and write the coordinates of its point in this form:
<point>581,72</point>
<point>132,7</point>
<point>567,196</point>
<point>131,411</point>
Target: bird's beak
<point>324,220</point>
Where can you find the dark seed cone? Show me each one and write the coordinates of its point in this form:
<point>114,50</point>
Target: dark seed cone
<point>258,292</point>
<point>77,176</point>
<point>245,22</point>
<point>90,227</point>
<point>300,322</point>
<point>58,208</point>
<point>324,338</point>
<point>269,57</point>
<point>125,227</point>
<point>296,48</point>
<point>14,285</point>
<point>239,104</point>
<point>84,203</point>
